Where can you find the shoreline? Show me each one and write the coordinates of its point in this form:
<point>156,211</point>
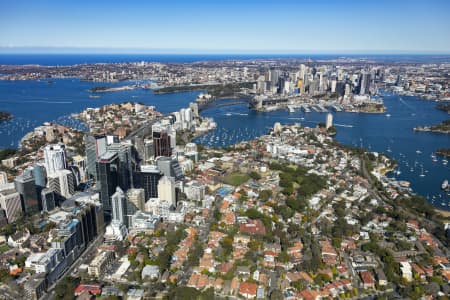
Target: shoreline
<point>444,213</point>
<point>104,89</point>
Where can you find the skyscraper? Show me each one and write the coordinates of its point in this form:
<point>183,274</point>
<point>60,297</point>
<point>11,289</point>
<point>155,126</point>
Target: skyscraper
<point>136,197</point>
<point>149,178</point>
<point>55,158</point>
<point>170,167</point>
<point>119,206</point>
<point>127,161</point>
<point>48,200</point>
<point>161,143</point>
<point>95,147</point>
<point>39,175</point>
<point>26,187</point>
<point>166,190</point>
<point>364,83</point>
<point>62,183</point>
<point>107,178</point>
<point>10,201</point>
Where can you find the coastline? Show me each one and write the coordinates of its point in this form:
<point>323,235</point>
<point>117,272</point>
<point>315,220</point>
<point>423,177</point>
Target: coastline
<point>444,213</point>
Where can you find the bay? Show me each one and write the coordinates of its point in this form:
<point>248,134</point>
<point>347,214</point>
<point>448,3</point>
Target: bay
<point>392,135</point>
<point>35,102</point>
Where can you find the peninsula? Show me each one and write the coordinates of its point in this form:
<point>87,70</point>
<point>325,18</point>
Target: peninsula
<point>444,127</point>
<point>105,89</point>
<point>5,116</point>
<point>443,152</point>
<point>444,107</point>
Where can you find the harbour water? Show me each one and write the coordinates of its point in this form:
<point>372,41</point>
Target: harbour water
<point>34,102</point>
<point>392,135</point>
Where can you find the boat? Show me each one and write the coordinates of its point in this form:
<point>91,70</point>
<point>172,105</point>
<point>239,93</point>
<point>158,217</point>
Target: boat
<point>404,183</point>
<point>418,151</point>
<point>444,184</point>
<point>444,162</point>
<point>422,174</point>
<point>388,115</point>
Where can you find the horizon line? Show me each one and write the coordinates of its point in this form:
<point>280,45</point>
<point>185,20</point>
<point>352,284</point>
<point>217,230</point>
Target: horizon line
<point>190,51</point>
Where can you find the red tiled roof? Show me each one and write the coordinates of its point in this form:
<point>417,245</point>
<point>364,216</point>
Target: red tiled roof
<point>247,288</point>
<point>94,289</point>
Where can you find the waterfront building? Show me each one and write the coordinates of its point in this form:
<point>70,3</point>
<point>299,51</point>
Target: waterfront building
<point>329,121</point>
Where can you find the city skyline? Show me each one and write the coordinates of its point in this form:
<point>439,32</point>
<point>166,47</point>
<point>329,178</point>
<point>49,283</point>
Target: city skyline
<point>290,27</point>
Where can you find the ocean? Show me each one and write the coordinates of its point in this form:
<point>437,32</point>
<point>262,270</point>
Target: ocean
<point>72,59</point>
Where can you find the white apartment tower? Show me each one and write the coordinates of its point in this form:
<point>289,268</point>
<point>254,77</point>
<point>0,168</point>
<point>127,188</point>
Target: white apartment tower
<point>55,158</point>
<point>166,190</point>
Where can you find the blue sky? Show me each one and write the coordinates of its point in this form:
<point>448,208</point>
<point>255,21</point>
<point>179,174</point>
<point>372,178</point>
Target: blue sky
<point>359,26</point>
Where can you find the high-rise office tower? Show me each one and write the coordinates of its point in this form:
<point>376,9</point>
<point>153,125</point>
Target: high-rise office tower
<point>89,215</point>
<point>107,177</point>
<point>62,183</point>
<point>39,175</point>
<point>127,164</point>
<point>170,167</point>
<point>95,147</point>
<point>161,143</point>
<point>80,163</point>
<point>149,151</point>
<point>333,85</point>
<point>166,190</point>
<point>119,206</point>
<point>364,83</point>
<point>149,178</point>
<point>136,197</point>
<point>48,200</point>
<point>26,187</point>
<point>55,158</point>
<point>10,201</point>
